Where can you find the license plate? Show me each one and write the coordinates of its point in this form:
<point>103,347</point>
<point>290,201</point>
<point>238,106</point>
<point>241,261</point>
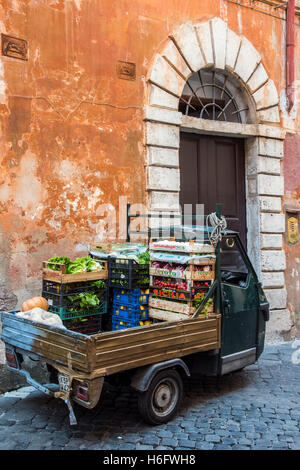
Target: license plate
<point>64,383</point>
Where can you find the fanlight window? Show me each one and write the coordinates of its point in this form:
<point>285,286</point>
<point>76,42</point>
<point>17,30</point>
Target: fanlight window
<point>214,95</point>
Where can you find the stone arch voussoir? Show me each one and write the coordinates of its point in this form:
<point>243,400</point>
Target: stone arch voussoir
<point>194,46</point>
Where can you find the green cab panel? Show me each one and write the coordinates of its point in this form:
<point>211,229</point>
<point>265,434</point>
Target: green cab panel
<point>243,324</point>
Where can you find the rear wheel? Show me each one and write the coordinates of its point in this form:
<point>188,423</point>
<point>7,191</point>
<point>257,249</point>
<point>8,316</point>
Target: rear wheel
<point>160,403</point>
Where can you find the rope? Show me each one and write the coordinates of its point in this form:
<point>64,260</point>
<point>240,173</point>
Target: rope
<point>218,225</point>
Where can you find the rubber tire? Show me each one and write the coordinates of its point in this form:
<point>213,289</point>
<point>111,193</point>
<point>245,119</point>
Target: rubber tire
<point>144,401</point>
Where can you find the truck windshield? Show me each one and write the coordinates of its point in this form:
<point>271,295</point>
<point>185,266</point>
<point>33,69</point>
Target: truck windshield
<point>233,267</point>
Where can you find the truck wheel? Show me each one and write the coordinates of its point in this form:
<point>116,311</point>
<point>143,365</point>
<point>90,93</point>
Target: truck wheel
<point>160,403</point>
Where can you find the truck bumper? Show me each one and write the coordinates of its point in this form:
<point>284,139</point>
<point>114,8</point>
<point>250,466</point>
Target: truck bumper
<point>47,391</point>
<point>92,386</point>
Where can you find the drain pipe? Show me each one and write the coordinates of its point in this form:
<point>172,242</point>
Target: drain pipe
<point>290,54</point>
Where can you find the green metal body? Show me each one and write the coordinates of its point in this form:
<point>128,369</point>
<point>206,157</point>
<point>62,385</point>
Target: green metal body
<point>243,324</point>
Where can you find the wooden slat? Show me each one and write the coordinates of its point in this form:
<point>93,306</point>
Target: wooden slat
<point>46,341</point>
<point>152,359</point>
<point>179,341</point>
<point>166,315</point>
<point>171,305</point>
<point>58,336</point>
<point>46,351</point>
<point>142,351</point>
<point>177,337</point>
<point>57,276</point>
<point>160,331</point>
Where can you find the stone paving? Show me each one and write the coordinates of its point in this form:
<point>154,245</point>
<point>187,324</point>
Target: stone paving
<point>256,408</point>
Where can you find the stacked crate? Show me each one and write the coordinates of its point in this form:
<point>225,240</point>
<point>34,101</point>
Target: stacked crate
<point>64,294</point>
<point>130,308</point>
<point>181,274</point>
<point>128,283</point>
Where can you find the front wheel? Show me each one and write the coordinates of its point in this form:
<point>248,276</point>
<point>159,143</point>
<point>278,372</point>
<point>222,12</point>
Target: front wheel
<point>160,403</point>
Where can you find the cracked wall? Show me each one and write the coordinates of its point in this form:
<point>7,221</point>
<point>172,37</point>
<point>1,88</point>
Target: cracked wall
<point>72,131</point>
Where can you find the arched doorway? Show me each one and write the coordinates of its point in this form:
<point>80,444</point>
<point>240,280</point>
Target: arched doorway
<point>212,45</point>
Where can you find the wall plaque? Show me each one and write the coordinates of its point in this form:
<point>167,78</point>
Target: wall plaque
<point>14,47</point>
<point>126,70</point>
<point>293,230</point>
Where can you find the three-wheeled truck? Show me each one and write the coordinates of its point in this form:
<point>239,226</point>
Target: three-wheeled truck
<point>154,358</point>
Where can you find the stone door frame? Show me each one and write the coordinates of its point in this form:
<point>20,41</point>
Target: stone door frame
<point>194,46</point>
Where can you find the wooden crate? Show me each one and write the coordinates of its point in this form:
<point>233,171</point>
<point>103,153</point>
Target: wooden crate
<point>185,308</point>
<point>190,273</point>
<point>166,315</point>
<point>62,278</point>
<point>201,275</point>
<point>182,247</point>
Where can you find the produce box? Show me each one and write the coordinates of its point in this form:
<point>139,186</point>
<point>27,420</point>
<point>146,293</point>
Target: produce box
<point>120,324</point>
<point>127,274</point>
<point>203,270</point>
<point>128,264</point>
<point>181,247</point>
<point>129,312</point>
<point>59,273</point>
<point>165,315</point>
<point>131,297</point>
<point>66,314</point>
<point>172,305</point>
<point>177,294</point>
<point>180,276</point>
<point>86,326</point>
<point>61,291</point>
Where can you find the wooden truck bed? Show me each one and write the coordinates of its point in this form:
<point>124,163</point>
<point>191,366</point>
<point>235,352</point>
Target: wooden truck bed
<point>110,352</point>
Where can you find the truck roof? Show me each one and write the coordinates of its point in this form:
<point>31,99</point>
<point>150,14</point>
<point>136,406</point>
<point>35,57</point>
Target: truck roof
<point>193,230</point>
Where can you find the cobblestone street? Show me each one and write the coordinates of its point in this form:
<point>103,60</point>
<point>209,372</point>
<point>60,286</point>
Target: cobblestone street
<point>256,408</point>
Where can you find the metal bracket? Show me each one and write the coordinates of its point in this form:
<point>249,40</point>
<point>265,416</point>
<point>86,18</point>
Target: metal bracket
<point>47,391</point>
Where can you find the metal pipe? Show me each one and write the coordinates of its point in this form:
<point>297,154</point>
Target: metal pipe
<point>290,54</point>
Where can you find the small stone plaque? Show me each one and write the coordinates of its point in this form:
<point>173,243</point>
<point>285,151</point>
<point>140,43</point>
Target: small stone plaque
<point>293,230</point>
<point>126,70</point>
<point>14,47</point>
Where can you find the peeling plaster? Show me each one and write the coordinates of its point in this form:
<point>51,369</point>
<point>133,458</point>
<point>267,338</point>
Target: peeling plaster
<point>28,190</point>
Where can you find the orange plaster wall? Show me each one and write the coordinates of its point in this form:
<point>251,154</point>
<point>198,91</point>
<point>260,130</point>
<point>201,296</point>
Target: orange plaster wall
<point>71,130</point>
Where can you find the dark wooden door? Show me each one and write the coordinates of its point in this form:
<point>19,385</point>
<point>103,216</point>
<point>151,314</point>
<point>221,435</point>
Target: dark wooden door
<point>212,170</point>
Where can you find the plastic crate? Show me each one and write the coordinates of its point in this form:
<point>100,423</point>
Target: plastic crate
<point>65,314</point>
<point>120,324</point>
<point>127,274</point>
<point>131,297</point>
<point>130,312</point>
<point>85,326</point>
<point>51,287</point>
<point>73,300</point>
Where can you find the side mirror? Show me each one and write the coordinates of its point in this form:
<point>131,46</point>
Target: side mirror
<point>265,310</point>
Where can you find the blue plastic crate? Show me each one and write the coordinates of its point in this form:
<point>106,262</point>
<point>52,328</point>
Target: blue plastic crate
<point>122,324</point>
<point>131,297</point>
<point>130,312</point>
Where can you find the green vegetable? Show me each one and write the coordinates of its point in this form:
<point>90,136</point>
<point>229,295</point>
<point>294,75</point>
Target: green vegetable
<point>144,258</point>
<point>99,284</point>
<point>84,300</point>
<point>58,259</point>
<point>83,264</point>
<point>206,306</point>
<point>79,265</point>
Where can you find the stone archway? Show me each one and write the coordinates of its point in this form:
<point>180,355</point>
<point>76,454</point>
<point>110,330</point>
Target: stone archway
<point>194,46</point>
